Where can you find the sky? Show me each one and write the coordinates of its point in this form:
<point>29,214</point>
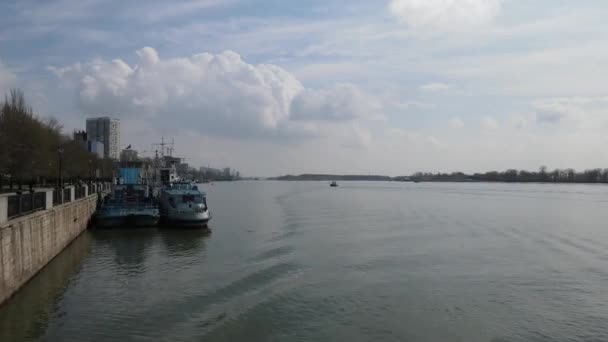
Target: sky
<point>352,87</point>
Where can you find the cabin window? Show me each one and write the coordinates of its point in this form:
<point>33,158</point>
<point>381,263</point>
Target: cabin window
<point>193,198</point>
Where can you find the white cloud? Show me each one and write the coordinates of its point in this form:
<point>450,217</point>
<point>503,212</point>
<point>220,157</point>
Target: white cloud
<point>556,111</point>
<point>456,123</point>
<point>216,94</point>
<point>435,87</point>
<point>445,15</point>
<point>435,142</point>
<point>572,113</point>
<point>402,137</point>
<point>342,102</point>
<point>488,123</point>
<point>519,121</point>
<point>545,71</point>
<point>549,116</point>
<point>413,104</point>
<point>353,136</point>
<point>317,71</point>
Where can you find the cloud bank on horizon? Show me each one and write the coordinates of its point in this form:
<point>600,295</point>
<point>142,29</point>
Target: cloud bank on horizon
<point>217,94</point>
<point>348,87</point>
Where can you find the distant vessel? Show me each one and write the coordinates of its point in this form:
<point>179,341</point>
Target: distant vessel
<point>183,203</point>
<point>129,205</point>
<point>333,184</point>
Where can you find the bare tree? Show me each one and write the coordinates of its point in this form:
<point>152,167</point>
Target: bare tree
<point>29,145</point>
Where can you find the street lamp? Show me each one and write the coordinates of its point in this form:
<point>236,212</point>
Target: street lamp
<point>60,155</point>
<point>33,176</point>
<point>47,173</point>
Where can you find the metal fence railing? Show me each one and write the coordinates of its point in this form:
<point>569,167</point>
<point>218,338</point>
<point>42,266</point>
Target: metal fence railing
<point>39,201</point>
<point>57,197</point>
<point>67,195</point>
<point>79,192</point>
<point>25,203</point>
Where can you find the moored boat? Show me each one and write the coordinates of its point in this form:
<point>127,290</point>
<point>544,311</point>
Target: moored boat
<point>118,215</point>
<point>182,203</point>
<point>129,205</point>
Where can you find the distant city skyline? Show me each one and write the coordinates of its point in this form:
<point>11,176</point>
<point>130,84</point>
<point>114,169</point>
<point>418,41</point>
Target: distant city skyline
<point>167,151</point>
<point>346,87</point>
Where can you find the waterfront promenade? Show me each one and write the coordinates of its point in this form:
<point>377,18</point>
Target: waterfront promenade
<point>35,226</point>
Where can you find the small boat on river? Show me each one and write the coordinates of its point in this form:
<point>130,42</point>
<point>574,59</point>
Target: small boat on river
<point>333,184</point>
<point>182,203</point>
<point>127,206</point>
<point>131,203</point>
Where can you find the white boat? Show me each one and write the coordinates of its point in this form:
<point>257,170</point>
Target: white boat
<point>184,204</point>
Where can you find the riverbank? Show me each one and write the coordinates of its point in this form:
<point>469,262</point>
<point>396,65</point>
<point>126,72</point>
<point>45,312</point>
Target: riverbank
<point>30,242</point>
<point>512,176</point>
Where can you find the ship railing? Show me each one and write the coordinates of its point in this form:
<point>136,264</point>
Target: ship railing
<point>129,206</point>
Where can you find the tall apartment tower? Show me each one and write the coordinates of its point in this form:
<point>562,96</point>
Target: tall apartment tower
<point>107,131</point>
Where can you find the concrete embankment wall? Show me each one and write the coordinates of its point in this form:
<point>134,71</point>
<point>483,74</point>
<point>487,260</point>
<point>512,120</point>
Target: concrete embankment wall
<point>28,243</point>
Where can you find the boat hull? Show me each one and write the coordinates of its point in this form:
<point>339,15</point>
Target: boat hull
<point>184,223</point>
<point>110,222</point>
<point>187,219</point>
<point>127,221</point>
<point>127,218</point>
<point>142,220</point>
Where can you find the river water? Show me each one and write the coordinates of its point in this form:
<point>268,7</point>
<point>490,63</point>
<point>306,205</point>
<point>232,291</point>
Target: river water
<point>300,261</point>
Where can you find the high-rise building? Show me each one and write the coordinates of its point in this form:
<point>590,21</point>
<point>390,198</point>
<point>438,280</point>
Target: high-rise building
<point>107,131</point>
<point>80,136</point>
<point>92,146</point>
<point>95,147</point>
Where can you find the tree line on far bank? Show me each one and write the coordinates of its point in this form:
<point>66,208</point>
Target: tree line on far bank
<point>543,175</point>
<point>32,149</point>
